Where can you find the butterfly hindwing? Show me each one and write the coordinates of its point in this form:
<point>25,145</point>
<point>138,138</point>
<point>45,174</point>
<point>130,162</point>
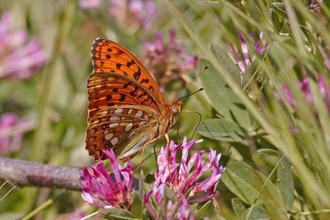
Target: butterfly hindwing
<point>124,129</point>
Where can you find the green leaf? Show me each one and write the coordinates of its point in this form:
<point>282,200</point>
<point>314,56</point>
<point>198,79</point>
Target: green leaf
<point>202,211</point>
<point>224,100</point>
<point>285,182</point>
<point>137,205</point>
<point>248,184</point>
<point>266,157</point>
<point>238,207</point>
<point>222,130</point>
<point>252,76</point>
<point>226,62</point>
<point>257,213</point>
<point>117,213</point>
<point>279,8</point>
<point>141,184</point>
<point>243,150</point>
<point>277,22</point>
<point>251,72</point>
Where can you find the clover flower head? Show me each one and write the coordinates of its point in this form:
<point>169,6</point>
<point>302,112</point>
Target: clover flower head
<point>167,59</point>
<point>20,57</point>
<point>182,176</point>
<point>100,190</point>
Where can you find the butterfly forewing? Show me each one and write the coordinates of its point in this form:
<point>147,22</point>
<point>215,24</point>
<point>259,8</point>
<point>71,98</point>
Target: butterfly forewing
<point>108,56</point>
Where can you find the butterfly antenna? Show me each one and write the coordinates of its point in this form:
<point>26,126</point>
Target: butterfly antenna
<point>199,121</point>
<point>194,79</point>
<point>182,97</point>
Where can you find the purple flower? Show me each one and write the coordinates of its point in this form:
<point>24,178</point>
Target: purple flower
<point>78,214</point>
<point>135,14</point>
<point>157,193</point>
<point>288,96</point>
<point>182,176</point>
<point>184,211</point>
<point>167,209</point>
<point>182,179</point>
<point>11,142</point>
<point>167,61</point>
<point>325,91</point>
<point>241,56</point>
<point>19,57</point>
<point>305,89</point>
<point>100,190</point>
<point>89,4</point>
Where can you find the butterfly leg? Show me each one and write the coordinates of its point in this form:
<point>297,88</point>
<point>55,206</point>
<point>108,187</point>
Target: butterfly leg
<point>143,148</point>
<point>167,138</point>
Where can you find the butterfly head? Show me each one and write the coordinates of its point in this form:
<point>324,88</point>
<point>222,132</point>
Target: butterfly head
<point>172,111</point>
<point>176,107</point>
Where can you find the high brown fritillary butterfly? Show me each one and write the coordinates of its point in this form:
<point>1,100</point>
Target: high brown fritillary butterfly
<point>127,111</point>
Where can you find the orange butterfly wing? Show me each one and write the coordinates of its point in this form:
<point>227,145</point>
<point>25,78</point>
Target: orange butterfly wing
<point>108,56</point>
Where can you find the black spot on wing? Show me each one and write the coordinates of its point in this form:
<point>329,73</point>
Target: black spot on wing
<point>127,84</point>
<point>122,97</point>
<point>118,66</point>
<point>144,81</point>
<point>134,92</point>
<point>143,94</point>
<point>137,74</point>
<point>130,63</point>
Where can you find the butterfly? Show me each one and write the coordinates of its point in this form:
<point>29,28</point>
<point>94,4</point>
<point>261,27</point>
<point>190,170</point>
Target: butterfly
<point>126,108</point>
